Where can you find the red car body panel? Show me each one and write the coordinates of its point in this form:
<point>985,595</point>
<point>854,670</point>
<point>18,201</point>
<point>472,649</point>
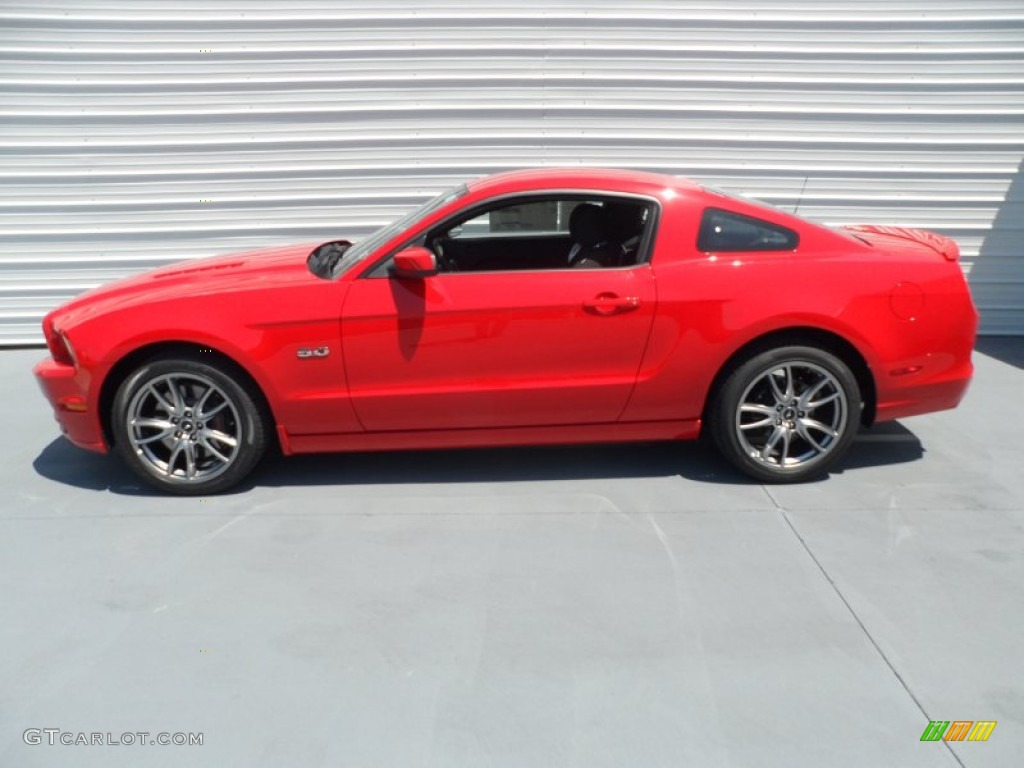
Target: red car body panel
<point>528,357</point>
<point>470,357</point>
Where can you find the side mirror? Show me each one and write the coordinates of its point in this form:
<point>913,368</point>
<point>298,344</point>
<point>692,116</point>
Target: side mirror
<point>415,262</point>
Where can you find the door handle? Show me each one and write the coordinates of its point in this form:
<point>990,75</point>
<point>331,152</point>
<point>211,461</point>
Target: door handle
<point>611,304</point>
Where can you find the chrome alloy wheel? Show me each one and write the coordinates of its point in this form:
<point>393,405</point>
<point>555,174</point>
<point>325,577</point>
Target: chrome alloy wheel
<point>183,428</point>
<point>791,415</point>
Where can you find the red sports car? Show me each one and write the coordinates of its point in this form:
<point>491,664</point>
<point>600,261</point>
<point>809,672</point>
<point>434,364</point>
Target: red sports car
<point>534,307</point>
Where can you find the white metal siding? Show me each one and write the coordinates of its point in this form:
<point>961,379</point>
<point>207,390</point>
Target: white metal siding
<point>135,134</point>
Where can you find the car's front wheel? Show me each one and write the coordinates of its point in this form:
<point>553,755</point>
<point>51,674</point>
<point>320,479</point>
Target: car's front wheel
<point>187,427</point>
<point>786,414</point>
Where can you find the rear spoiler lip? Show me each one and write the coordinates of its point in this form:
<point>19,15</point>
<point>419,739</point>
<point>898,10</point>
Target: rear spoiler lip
<point>942,245</point>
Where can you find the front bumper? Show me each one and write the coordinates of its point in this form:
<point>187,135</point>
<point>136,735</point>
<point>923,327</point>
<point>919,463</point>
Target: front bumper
<point>78,420</point>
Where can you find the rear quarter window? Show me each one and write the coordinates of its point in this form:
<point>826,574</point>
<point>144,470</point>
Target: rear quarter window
<point>723,231</point>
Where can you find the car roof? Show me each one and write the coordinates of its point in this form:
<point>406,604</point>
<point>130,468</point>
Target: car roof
<point>653,185</point>
<point>598,178</point>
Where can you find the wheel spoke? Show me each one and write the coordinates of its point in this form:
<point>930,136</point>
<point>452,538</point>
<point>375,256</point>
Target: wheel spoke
<point>190,459</point>
<point>208,447</point>
<point>766,451</point>
<point>787,437</point>
<point>815,424</point>
<point>175,453</point>
<point>145,423</point>
<point>220,437</point>
<point>204,415</point>
<point>823,401</point>
<point>782,395</point>
<point>764,411</point>
<point>155,438</point>
<point>176,398</point>
<point>201,402</point>
<point>805,398</point>
<point>802,430</point>
<point>164,403</point>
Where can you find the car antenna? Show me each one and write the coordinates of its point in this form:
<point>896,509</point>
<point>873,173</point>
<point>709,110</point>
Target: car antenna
<point>800,197</point>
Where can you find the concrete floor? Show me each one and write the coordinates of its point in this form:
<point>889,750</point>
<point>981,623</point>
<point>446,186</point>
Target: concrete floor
<point>601,606</point>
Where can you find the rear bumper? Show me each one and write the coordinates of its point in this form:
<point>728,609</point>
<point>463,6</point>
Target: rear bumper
<point>78,421</point>
<point>906,395</point>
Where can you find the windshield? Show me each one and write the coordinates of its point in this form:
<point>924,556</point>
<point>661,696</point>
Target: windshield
<point>367,246</point>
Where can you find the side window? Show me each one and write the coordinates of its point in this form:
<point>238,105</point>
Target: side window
<point>725,231</point>
<point>541,217</point>
<point>555,231</point>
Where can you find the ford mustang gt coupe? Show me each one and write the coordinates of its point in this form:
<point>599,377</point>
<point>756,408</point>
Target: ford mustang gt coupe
<point>533,307</point>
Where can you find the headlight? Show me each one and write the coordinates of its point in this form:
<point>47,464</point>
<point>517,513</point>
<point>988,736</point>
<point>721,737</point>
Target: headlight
<point>58,344</point>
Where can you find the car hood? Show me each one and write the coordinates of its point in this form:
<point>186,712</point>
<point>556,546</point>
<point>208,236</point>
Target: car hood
<point>219,274</point>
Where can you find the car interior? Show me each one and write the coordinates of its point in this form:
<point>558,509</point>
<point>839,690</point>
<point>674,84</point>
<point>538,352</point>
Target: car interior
<point>551,233</point>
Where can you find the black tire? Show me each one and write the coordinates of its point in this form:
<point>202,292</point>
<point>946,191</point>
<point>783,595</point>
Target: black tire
<point>202,440</point>
<point>786,414</point>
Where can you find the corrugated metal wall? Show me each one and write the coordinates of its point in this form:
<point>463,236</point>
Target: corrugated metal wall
<point>138,133</point>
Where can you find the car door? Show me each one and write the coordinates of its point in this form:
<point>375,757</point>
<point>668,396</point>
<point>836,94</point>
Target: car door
<point>495,349</point>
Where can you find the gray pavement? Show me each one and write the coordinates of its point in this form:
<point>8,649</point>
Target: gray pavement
<point>596,606</point>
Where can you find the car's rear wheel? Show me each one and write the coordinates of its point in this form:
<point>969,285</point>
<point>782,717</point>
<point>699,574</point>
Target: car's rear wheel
<point>187,427</point>
<point>786,414</point>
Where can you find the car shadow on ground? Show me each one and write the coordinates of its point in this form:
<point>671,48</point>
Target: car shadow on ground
<point>890,443</point>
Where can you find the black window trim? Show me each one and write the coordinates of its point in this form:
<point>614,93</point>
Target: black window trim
<point>378,268</point>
